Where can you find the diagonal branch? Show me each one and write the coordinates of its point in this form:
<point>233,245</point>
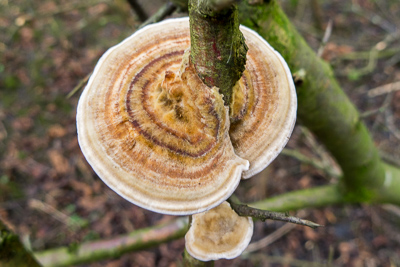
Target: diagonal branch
<point>325,109</point>
<point>263,215</point>
<point>105,249</point>
<point>12,251</point>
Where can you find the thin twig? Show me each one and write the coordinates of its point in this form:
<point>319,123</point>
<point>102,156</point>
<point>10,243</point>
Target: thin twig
<point>393,60</point>
<point>56,214</point>
<point>386,102</point>
<point>311,161</point>
<point>138,9</point>
<point>379,110</point>
<point>384,89</point>
<point>269,239</point>
<point>373,55</point>
<point>389,119</point>
<point>79,85</point>
<point>244,210</point>
<point>365,54</point>
<point>163,12</point>
<point>327,161</point>
<point>368,113</point>
<point>325,39</point>
<point>389,158</point>
<point>373,18</point>
<point>395,210</point>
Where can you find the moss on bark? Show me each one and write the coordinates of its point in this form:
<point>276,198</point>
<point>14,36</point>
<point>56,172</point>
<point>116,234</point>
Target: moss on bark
<point>12,251</point>
<point>323,106</point>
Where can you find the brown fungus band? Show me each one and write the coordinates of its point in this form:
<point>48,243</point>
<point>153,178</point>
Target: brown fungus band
<point>158,136</point>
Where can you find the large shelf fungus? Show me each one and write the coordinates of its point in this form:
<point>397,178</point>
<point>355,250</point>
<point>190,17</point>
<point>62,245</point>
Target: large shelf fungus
<point>163,140</point>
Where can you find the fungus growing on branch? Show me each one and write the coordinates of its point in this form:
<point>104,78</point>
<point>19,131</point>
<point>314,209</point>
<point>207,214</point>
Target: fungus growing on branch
<point>218,233</point>
<point>162,139</point>
<point>264,105</point>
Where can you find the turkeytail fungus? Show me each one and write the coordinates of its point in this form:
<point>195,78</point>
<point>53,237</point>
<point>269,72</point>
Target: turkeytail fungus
<point>162,139</point>
<point>218,233</point>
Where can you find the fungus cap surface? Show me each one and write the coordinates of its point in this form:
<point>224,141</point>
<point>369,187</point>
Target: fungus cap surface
<point>152,131</point>
<point>264,106</point>
<point>160,138</point>
<point>218,233</point>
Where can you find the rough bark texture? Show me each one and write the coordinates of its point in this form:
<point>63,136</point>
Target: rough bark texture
<point>105,249</point>
<point>263,215</point>
<point>218,49</point>
<point>323,106</point>
<point>12,251</point>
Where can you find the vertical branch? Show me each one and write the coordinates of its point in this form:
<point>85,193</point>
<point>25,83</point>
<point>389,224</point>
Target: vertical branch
<point>218,49</point>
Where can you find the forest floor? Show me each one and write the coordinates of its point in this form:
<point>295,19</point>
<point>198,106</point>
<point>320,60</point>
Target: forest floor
<point>51,197</point>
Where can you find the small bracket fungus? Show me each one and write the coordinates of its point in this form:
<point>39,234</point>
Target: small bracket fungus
<point>218,233</point>
<point>163,140</point>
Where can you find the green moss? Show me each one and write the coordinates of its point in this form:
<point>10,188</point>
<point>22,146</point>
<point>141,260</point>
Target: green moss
<point>12,252</point>
<point>322,105</point>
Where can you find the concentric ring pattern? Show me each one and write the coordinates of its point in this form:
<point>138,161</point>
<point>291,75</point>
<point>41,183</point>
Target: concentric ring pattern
<point>153,132</point>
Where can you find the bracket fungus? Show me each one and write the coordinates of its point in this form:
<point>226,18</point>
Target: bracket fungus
<point>163,140</point>
<point>218,233</point>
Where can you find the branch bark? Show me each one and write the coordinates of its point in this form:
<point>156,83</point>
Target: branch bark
<point>218,50</point>
<point>263,215</point>
<point>326,110</point>
<point>12,251</point>
<point>164,11</point>
<point>155,235</point>
<point>105,249</point>
<point>138,9</point>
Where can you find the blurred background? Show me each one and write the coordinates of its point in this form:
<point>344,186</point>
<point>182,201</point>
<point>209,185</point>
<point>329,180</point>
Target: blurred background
<point>50,196</point>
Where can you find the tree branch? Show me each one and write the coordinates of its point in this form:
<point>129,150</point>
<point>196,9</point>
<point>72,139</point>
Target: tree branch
<point>324,108</point>
<point>105,249</point>
<point>155,235</point>
<point>263,215</point>
<point>164,11</point>
<point>12,251</point>
<point>218,49</point>
<point>138,9</point>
